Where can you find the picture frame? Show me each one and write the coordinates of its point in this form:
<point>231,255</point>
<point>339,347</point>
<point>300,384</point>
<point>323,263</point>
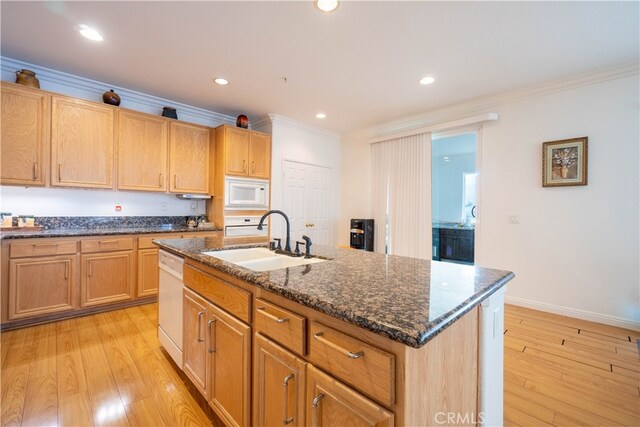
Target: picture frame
<point>564,162</point>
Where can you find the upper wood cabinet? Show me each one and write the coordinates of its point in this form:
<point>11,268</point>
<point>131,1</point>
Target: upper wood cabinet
<point>142,148</point>
<point>188,158</point>
<point>245,152</point>
<point>26,118</point>
<point>81,143</point>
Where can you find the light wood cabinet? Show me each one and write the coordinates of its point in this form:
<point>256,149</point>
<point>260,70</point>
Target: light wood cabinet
<point>230,367</point>
<point>246,153</point>
<point>260,156</point>
<point>142,149</point>
<point>81,143</point>
<point>43,285</point>
<point>107,277</point>
<point>278,385</point>
<point>194,340</point>
<point>331,403</point>
<point>26,118</point>
<point>148,277</point>
<point>188,158</point>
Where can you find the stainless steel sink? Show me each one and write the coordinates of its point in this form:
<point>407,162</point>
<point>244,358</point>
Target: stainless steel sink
<point>261,259</point>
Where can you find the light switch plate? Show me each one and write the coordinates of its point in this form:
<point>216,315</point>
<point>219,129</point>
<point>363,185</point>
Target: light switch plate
<point>514,219</point>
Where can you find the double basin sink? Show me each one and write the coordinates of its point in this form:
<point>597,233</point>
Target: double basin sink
<point>261,259</point>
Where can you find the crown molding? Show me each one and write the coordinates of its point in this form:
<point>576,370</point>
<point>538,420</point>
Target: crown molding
<point>481,105</point>
<point>276,118</point>
<point>93,86</point>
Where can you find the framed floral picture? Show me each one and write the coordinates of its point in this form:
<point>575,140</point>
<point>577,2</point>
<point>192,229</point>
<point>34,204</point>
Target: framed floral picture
<point>564,162</point>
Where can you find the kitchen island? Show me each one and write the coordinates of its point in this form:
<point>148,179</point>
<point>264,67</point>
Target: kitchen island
<point>361,337</point>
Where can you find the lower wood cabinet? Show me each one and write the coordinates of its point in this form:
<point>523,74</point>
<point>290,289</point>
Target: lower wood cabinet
<point>148,277</point>
<point>216,354</point>
<point>39,286</point>
<point>194,340</point>
<point>107,277</point>
<point>331,403</point>
<point>279,379</point>
<point>230,367</point>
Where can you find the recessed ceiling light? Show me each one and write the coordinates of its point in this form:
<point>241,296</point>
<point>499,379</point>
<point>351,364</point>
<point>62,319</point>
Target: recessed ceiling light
<point>221,81</point>
<point>327,5</point>
<point>321,116</point>
<point>90,33</point>
<point>427,80</point>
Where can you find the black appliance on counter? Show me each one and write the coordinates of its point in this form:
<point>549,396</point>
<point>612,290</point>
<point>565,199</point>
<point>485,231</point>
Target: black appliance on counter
<point>362,234</point>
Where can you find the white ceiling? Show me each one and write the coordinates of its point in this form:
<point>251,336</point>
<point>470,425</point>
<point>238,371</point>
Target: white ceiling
<point>360,64</point>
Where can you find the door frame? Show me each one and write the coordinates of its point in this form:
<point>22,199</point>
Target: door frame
<point>332,236</point>
<point>477,129</point>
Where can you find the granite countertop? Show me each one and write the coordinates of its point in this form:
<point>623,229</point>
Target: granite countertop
<point>452,225</point>
<point>108,231</point>
<point>408,300</point>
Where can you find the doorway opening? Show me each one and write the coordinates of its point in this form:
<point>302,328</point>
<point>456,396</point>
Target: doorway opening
<point>454,196</point>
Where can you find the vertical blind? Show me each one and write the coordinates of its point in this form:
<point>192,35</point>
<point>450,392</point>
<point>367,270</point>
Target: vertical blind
<point>401,195</point>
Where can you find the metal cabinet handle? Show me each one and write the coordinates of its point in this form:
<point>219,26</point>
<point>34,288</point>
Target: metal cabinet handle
<point>89,268</point>
<point>349,354</point>
<point>213,338</point>
<point>271,316</point>
<point>160,181</point>
<point>35,171</point>
<point>107,242</point>
<point>253,166</point>
<point>66,270</point>
<point>59,172</point>
<point>200,326</point>
<point>45,245</point>
<point>175,181</point>
<point>286,419</point>
<point>314,406</point>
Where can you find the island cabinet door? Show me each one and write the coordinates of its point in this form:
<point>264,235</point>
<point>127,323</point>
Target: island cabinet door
<point>195,340</point>
<point>278,385</point>
<point>229,367</point>
<point>331,403</point>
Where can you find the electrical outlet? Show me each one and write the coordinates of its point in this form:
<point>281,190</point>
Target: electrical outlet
<point>514,219</point>
<point>118,207</point>
<point>163,207</point>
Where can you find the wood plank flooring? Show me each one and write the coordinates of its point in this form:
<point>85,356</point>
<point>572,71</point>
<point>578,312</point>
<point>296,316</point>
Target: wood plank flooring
<point>103,369</point>
<point>568,372</point>
<point>109,369</point>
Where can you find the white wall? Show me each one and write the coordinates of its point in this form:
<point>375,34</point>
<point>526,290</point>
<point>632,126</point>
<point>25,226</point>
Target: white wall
<point>80,202</point>
<point>298,142</point>
<point>576,249</point>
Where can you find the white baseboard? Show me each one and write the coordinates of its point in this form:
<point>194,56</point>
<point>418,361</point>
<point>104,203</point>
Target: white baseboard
<point>572,312</point>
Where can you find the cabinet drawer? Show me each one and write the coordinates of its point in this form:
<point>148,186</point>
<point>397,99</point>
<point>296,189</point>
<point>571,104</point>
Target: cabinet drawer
<point>367,368</point>
<point>146,242</point>
<point>106,245</point>
<point>231,298</point>
<point>21,250</point>
<point>281,325</point>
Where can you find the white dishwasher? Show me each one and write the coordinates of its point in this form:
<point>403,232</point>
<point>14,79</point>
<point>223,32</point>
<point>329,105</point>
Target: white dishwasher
<point>170,304</point>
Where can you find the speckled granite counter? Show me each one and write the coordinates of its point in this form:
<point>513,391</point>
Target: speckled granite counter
<point>78,232</point>
<point>406,299</point>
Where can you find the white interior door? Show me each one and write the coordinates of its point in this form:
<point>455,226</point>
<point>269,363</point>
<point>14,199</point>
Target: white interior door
<point>307,201</point>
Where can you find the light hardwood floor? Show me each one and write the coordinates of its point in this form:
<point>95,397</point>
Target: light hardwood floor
<point>103,369</point>
<point>108,369</point>
<point>564,371</point>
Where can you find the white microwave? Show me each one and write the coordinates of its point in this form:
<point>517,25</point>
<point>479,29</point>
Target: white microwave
<point>246,194</point>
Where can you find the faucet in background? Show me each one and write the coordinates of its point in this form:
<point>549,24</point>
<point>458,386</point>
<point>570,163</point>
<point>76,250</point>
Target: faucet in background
<point>287,246</point>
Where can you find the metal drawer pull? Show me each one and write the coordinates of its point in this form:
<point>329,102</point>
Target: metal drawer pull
<point>175,181</point>
<point>200,326</point>
<point>271,316</point>
<point>107,242</point>
<point>347,353</point>
<point>45,245</point>
<point>59,172</point>
<point>286,419</point>
<point>253,166</point>
<point>317,400</point>
<point>66,270</point>
<point>35,171</point>
<point>89,268</point>
<point>160,183</point>
<point>213,340</point>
